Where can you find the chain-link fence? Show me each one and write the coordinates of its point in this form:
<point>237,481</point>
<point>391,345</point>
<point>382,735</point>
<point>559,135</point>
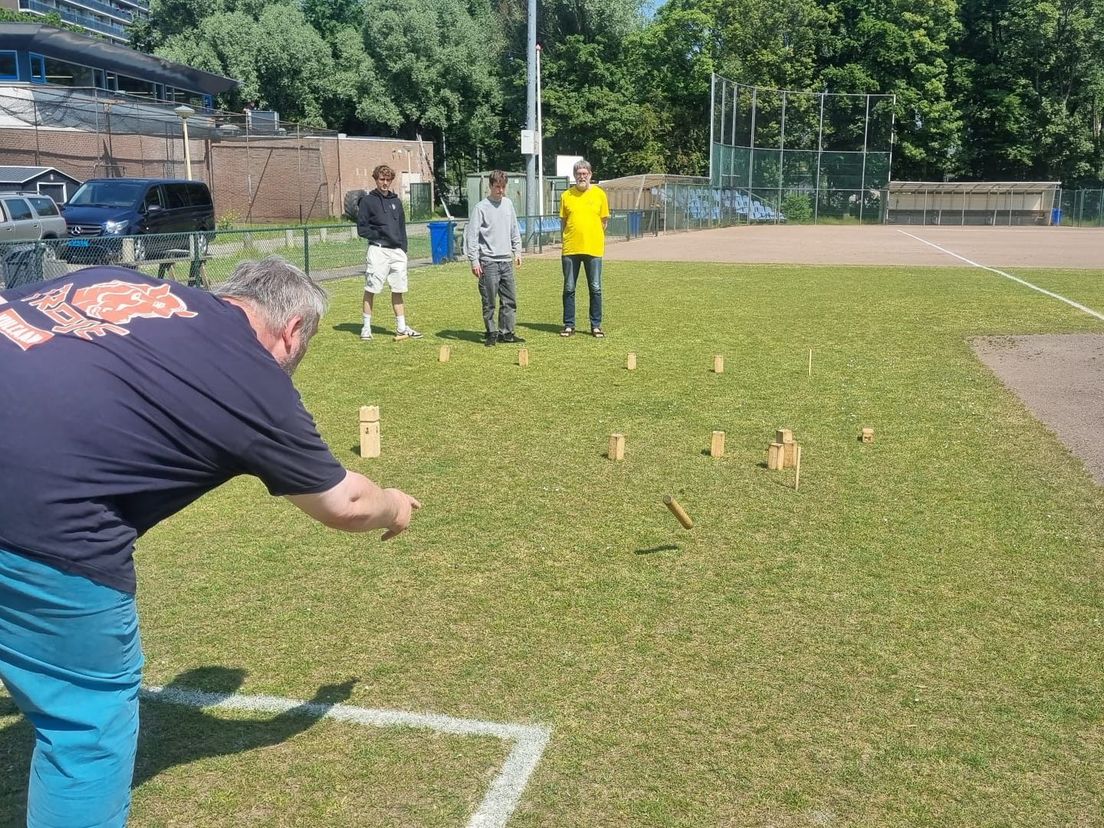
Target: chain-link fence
<point>804,156</point>
<point>1081,208</point>
<point>207,258</point>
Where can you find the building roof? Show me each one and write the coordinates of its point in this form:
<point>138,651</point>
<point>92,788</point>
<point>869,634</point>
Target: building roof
<point>959,187</point>
<point>101,54</point>
<point>21,175</point>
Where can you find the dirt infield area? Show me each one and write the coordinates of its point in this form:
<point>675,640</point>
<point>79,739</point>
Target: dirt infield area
<point>1053,247</point>
<point>1060,378</point>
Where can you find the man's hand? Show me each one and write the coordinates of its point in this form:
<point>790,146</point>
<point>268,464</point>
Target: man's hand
<point>477,269</point>
<point>404,512</point>
<point>517,260</point>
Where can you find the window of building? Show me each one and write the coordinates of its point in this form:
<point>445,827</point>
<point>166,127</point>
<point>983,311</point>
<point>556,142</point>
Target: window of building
<point>64,73</point>
<point>38,68</point>
<point>183,96</point>
<point>133,86</point>
<point>9,70</point>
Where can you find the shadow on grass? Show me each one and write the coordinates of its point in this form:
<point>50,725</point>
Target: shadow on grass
<point>540,326</point>
<point>464,336</point>
<point>354,328</point>
<point>171,733</point>
<point>651,550</point>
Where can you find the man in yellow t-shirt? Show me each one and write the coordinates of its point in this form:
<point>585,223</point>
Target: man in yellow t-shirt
<point>584,211</point>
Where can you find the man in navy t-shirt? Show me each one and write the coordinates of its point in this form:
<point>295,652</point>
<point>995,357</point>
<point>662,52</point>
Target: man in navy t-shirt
<point>125,398</point>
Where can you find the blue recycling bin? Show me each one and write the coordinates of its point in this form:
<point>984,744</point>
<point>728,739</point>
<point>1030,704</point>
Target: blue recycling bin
<point>440,241</point>
<point>634,223</point>
<point>1056,216</point>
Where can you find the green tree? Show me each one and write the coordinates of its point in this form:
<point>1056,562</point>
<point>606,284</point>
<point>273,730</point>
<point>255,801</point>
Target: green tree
<point>901,47</point>
<point>440,64</point>
<point>1031,79</point>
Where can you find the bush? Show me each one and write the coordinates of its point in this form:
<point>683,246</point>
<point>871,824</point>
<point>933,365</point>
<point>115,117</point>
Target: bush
<point>227,220</point>
<point>797,208</point>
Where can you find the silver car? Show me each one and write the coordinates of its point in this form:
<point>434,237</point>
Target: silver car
<point>29,217</point>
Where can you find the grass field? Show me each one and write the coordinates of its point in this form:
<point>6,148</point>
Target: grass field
<point>914,638</point>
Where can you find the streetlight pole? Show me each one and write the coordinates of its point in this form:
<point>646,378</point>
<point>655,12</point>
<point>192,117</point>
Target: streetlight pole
<point>184,113</point>
<point>539,147</point>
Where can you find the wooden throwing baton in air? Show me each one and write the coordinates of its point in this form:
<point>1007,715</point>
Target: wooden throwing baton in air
<point>678,512</point>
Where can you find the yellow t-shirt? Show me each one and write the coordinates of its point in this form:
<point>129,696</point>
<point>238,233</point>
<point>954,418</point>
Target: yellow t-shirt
<point>582,214</point>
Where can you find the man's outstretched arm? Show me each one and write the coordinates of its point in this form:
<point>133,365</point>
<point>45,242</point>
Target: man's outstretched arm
<point>356,504</point>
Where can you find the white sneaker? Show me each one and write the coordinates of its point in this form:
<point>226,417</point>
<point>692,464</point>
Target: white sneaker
<point>413,334</point>
<point>366,332</point>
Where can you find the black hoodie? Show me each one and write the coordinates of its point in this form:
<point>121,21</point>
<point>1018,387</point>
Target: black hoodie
<point>380,219</point>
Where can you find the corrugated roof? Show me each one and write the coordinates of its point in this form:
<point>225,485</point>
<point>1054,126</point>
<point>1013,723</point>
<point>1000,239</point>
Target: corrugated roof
<point>959,187</point>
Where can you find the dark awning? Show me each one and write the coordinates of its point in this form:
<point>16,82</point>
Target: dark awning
<point>100,54</point>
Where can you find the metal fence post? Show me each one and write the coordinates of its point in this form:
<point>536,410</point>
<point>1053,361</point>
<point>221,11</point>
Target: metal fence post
<point>306,251</point>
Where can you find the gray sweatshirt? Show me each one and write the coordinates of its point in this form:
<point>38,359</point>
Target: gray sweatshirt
<point>492,231</point>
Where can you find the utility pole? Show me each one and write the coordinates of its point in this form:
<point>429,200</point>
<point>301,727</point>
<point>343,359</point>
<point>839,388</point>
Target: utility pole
<point>531,125</point>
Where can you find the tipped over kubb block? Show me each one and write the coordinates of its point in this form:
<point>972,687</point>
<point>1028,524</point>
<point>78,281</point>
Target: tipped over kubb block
<point>369,431</point>
<point>776,456</point>
<point>867,435</point>
<point>616,447</point>
<point>444,354</point>
<point>718,364</point>
<point>716,445</point>
<point>523,357</point>
<point>678,512</point>
<point>784,435</point>
<point>630,362</point>
<point>401,337</point>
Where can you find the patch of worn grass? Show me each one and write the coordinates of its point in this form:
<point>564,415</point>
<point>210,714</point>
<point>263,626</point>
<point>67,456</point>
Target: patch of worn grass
<point>913,638</point>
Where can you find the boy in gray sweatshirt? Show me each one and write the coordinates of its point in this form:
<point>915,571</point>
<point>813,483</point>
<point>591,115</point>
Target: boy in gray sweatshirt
<point>493,242</point>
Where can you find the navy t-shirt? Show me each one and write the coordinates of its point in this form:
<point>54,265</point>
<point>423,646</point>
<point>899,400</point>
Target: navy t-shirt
<point>123,399</point>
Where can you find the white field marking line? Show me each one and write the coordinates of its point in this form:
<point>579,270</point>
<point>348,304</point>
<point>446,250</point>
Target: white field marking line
<point>1023,282</point>
<point>501,798</point>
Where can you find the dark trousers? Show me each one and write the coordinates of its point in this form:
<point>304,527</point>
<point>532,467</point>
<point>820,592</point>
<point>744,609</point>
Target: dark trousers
<point>497,284</point>
<point>593,267</point>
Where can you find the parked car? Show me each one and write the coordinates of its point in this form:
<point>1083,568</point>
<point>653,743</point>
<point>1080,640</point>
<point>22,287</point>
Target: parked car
<point>160,214</point>
<point>29,217</point>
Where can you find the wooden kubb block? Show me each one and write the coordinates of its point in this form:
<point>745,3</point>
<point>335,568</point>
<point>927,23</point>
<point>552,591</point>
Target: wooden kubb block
<point>776,456</point>
<point>444,354</point>
<point>630,362</point>
<point>718,364</point>
<point>369,431</point>
<point>789,455</point>
<point>523,357</point>
<point>616,447</point>
<point>868,435</point>
<point>717,444</point>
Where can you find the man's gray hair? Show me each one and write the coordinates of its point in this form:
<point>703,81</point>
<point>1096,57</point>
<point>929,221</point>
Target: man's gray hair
<point>581,164</point>
<point>278,291</point>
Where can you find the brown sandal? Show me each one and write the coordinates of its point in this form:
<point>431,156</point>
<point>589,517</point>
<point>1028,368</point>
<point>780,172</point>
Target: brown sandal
<point>598,333</point>
<point>567,331</point>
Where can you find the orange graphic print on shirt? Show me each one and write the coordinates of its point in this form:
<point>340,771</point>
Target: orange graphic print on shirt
<point>95,310</point>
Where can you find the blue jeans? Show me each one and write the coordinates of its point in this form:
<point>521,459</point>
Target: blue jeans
<point>71,657</point>
<point>593,267</point>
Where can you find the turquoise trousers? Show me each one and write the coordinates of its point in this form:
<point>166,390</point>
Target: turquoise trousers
<point>71,658</point>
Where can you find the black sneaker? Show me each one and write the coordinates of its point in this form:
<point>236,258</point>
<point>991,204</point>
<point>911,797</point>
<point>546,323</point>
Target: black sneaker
<point>490,340</point>
<point>511,337</point>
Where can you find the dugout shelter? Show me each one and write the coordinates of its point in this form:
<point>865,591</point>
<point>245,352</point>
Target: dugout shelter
<point>992,203</point>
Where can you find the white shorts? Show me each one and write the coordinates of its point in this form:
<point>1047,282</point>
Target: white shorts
<point>385,266</point>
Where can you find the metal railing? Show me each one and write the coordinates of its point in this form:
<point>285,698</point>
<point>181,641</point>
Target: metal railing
<point>209,257</point>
